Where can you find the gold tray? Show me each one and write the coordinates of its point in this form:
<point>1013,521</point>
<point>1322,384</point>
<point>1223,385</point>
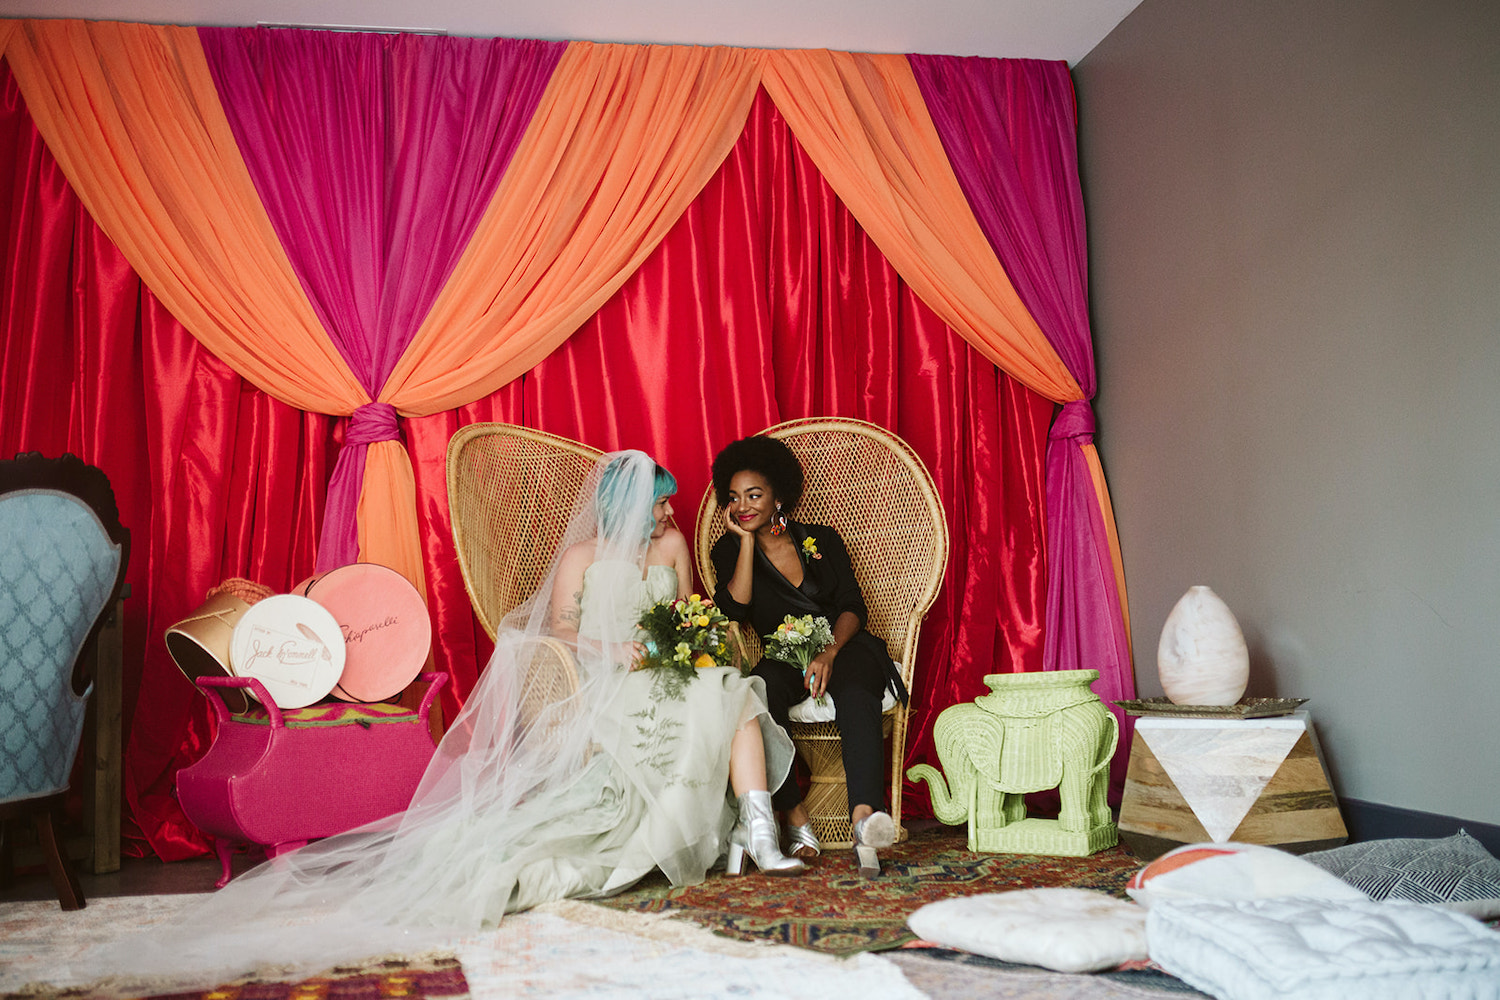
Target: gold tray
<point>1245,708</point>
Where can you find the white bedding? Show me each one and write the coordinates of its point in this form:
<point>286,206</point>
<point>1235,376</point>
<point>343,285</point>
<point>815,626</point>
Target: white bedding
<point>1295,948</point>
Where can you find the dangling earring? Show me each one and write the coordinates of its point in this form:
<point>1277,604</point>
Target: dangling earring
<point>778,521</point>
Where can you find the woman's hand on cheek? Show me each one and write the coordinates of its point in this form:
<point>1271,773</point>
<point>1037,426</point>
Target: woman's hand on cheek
<point>734,525</point>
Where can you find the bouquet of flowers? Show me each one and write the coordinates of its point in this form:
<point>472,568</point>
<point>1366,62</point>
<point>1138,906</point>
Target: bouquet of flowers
<point>681,635</point>
<point>798,640</point>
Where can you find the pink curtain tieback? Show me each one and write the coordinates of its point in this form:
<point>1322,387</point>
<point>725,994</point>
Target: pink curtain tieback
<point>1075,421</point>
<point>373,422</point>
<point>339,543</point>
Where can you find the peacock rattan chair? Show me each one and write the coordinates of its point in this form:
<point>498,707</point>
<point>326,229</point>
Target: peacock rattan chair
<point>869,485</point>
<point>510,494</point>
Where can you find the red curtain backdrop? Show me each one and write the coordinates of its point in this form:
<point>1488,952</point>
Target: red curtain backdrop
<point>213,477</point>
<point>765,302</point>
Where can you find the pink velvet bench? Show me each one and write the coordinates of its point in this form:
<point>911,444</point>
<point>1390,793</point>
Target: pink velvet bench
<point>282,778</point>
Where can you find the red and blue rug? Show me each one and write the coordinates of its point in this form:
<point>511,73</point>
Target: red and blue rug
<point>833,910</point>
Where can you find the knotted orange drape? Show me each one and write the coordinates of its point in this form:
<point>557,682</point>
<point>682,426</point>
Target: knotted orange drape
<point>624,139</point>
<point>863,121</point>
<point>131,113</point>
<point>133,118</point>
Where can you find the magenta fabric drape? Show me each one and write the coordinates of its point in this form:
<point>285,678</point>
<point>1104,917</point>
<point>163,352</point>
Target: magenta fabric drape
<point>375,156</point>
<point>1010,129</point>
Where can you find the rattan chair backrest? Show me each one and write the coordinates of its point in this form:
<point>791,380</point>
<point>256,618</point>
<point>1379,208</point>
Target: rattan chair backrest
<point>868,484</point>
<point>510,493</point>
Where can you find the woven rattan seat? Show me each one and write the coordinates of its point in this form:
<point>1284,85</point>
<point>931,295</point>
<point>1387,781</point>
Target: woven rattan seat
<point>510,494</point>
<point>869,485</point>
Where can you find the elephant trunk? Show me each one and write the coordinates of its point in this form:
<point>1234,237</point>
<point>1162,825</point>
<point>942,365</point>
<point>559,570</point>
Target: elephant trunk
<point>951,810</point>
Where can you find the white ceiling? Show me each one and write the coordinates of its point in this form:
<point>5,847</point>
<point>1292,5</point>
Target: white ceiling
<point>1036,29</point>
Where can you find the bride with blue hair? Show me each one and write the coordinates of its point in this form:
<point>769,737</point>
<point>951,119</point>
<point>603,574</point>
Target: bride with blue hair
<point>530,797</point>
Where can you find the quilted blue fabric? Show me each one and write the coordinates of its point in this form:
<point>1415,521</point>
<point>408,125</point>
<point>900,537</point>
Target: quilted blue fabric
<point>57,567</point>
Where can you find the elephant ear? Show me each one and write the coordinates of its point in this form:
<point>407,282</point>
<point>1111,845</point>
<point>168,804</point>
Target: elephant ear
<point>984,745</point>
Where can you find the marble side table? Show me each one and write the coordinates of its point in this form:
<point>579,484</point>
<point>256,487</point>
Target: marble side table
<point>1255,781</point>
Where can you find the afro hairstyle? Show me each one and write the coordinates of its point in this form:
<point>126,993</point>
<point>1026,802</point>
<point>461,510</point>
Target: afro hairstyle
<point>765,456</point>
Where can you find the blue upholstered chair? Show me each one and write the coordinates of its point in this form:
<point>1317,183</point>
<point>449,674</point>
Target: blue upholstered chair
<point>63,554</point>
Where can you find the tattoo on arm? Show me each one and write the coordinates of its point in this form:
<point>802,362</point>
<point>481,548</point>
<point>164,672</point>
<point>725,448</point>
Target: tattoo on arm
<point>572,614</point>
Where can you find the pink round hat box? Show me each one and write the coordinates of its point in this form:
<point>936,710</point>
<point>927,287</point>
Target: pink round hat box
<point>387,632</point>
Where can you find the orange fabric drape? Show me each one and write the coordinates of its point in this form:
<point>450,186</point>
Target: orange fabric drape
<point>1101,495</point>
<point>132,115</point>
<point>624,139</point>
<point>863,121</point>
<point>133,118</point>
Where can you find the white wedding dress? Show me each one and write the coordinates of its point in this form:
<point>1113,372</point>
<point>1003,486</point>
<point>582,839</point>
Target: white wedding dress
<point>655,792</point>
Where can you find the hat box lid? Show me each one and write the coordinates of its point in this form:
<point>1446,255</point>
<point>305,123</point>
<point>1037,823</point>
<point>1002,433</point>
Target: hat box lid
<point>386,628</point>
<point>292,645</point>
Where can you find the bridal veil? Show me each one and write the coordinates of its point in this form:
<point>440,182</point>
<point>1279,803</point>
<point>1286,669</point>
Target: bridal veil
<point>514,768</point>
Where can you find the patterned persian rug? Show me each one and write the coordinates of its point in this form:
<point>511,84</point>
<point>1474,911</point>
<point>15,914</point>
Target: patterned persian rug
<point>833,910</point>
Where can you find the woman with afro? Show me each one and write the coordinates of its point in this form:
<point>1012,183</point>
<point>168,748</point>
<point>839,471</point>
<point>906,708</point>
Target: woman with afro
<point>769,565</point>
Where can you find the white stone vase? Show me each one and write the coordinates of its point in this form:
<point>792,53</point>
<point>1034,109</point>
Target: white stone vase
<point>1202,658</point>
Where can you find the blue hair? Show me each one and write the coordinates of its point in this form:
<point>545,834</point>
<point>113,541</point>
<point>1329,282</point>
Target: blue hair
<point>614,488</point>
<point>664,482</point>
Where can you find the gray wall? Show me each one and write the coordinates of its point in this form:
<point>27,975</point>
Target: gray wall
<point>1294,223</point>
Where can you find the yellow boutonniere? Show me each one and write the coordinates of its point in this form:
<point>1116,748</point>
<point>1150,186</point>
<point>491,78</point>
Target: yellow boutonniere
<point>810,547</point>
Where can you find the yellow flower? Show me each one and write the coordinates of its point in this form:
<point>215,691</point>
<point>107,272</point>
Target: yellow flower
<point>704,661</point>
<point>702,621</point>
<point>694,598</point>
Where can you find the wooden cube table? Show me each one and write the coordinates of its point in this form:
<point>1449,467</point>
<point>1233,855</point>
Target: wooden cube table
<point>1255,781</point>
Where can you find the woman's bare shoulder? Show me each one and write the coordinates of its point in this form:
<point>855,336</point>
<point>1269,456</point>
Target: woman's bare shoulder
<point>672,541</point>
<point>577,555</point>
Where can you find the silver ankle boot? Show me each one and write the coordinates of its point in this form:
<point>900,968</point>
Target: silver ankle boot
<point>755,834</point>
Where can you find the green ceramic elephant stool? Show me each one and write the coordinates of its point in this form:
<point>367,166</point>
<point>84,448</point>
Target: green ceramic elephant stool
<point>1032,732</point>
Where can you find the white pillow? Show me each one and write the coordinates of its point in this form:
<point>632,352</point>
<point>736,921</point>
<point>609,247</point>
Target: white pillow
<point>1234,872</point>
<point>808,709</point>
<point>1069,930</point>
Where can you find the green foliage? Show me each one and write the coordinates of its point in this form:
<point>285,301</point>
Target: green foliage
<point>679,636</point>
<point>798,640</point>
